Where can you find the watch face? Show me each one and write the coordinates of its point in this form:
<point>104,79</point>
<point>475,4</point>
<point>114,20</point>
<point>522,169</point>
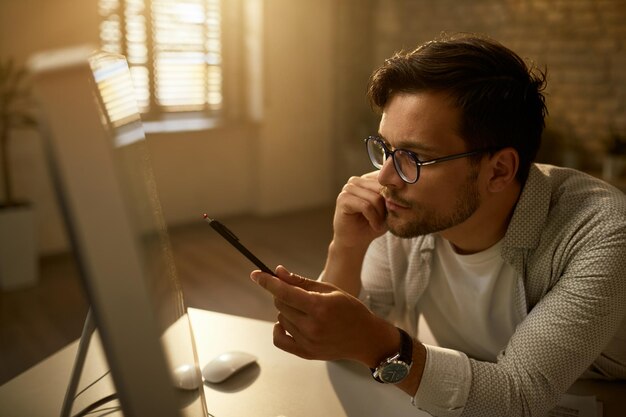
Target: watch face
<point>394,372</point>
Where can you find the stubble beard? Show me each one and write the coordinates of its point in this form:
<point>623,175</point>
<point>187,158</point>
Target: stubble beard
<point>426,220</point>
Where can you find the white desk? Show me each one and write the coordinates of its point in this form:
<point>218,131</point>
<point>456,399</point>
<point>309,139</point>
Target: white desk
<point>282,384</point>
<point>287,385</point>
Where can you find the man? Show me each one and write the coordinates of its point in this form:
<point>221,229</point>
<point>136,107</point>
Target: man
<point>514,272</point>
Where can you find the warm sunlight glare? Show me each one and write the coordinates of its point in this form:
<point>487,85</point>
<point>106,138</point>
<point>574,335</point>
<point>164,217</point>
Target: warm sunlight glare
<point>114,84</point>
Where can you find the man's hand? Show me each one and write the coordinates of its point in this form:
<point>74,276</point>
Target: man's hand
<point>360,217</point>
<point>360,212</point>
<point>317,320</point>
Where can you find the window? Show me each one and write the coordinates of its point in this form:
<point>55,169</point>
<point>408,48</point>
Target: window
<point>173,48</point>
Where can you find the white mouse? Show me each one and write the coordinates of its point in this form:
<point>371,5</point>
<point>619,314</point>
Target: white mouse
<point>225,365</point>
<point>187,377</point>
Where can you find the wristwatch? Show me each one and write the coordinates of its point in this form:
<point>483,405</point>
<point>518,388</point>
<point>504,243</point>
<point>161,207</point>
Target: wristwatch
<point>396,367</point>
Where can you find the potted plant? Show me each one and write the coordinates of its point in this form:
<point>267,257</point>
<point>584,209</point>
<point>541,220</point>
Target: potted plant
<point>18,252</point>
<point>613,162</point>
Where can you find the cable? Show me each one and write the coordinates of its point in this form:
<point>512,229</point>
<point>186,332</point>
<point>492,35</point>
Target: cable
<point>93,406</point>
<point>96,405</point>
<point>105,411</point>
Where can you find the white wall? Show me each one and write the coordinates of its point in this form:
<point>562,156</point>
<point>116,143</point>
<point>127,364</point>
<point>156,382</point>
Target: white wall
<point>294,164</point>
<point>281,163</point>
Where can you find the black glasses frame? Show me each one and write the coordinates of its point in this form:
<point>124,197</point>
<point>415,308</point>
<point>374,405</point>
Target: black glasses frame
<point>418,163</point>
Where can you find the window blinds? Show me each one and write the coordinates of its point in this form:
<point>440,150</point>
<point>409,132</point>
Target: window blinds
<point>173,48</point>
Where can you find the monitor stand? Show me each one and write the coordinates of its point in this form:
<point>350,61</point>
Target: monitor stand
<point>79,362</point>
<point>186,376</point>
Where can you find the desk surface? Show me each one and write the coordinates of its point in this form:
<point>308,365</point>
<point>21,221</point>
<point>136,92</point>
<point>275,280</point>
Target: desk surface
<point>281,384</point>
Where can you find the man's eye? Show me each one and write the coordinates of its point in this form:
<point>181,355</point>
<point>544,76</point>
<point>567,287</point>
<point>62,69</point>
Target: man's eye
<point>419,156</point>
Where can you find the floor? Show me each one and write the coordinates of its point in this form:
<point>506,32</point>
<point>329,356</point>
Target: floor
<point>38,321</point>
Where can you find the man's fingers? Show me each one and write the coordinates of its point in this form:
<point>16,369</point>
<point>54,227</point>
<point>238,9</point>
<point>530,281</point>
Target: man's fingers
<point>285,341</point>
<point>373,175</point>
<point>291,328</point>
<point>307,284</point>
<point>294,315</point>
<point>359,193</point>
<point>374,214</point>
<point>290,294</point>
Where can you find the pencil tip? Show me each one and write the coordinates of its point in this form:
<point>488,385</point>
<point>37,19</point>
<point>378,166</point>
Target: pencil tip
<point>206,216</point>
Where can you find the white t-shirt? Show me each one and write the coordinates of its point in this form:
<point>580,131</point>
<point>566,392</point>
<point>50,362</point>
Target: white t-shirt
<point>469,304</point>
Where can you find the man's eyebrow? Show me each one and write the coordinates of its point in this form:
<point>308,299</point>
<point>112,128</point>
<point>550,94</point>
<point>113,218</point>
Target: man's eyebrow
<point>410,145</point>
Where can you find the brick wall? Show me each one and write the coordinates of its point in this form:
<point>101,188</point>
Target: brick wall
<point>582,43</point>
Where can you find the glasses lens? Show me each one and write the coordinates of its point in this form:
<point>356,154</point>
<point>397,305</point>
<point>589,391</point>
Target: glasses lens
<point>376,152</point>
<point>406,165</point>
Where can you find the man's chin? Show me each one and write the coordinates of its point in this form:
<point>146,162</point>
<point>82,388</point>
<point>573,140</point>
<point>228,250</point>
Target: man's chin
<point>407,229</point>
<point>400,228</point>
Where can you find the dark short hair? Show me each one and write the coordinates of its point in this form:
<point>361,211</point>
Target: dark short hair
<point>500,97</point>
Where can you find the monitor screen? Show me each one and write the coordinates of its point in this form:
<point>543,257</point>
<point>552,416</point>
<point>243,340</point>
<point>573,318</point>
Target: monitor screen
<point>100,163</point>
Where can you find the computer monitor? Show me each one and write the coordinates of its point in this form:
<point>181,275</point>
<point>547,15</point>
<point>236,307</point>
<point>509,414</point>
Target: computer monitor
<point>101,168</point>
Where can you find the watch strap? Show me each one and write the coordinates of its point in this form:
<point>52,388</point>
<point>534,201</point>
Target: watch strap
<point>405,355</point>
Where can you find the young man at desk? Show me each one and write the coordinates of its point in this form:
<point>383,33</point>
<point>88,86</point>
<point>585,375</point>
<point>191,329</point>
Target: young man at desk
<point>506,277</point>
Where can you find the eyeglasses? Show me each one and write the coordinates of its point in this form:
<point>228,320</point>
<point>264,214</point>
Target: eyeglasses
<point>407,163</point>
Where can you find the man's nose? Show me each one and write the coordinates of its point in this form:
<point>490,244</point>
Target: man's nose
<point>388,175</point>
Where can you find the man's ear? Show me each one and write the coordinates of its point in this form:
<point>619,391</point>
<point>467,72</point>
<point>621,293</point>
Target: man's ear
<point>503,166</point>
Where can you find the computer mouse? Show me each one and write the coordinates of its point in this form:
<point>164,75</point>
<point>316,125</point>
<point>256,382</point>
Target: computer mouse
<point>225,365</point>
<point>187,377</point>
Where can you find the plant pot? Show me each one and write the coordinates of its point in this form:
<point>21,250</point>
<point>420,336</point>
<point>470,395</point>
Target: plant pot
<point>18,248</point>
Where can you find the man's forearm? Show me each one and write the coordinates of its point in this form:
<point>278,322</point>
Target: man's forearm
<point>343,267</point>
